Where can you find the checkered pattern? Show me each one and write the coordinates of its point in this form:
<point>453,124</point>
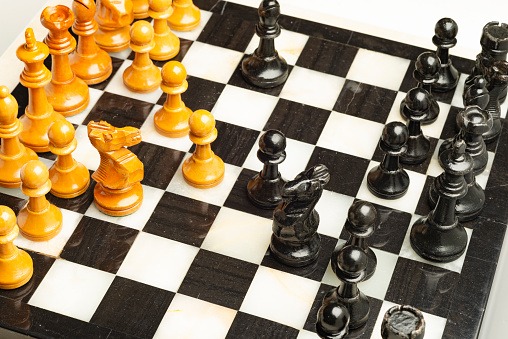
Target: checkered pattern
<point>196,261</point>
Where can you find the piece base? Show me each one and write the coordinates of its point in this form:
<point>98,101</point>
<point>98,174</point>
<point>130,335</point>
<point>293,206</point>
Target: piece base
<point>70,195</point>
<point>118,203</point>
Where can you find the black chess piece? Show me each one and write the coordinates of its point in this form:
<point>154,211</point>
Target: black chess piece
<point>446,30</point>
<point>349,264</point>
<point>361,224</point>
<point>403,322</point>
<point>389,180</point>
<point>332,321</point>
<point>264,189</point>
<point>440,236</point>
<point>295,241</point>
<point>473,122</point>
<point>497,79</point>
<point>265,68</point>
<point>494,41</point>
<point>416,108</point>
<point>426,73</point>
<point>476,92</point>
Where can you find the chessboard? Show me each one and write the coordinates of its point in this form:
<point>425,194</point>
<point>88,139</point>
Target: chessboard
<point>195,263</point>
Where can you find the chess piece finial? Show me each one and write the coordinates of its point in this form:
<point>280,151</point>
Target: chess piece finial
<point>186,16</point>
<point>90,63</point>
<point>332,321</point>
<point>16,265</point>
<point>67,93</point>
<point>403,322</point>
<point>118,191</point>
<point>69,178</point>
<point>114,18</point>
<point>416,108</point>
<point>142,75</point>
<point>167,44</point>
<point>39,113</point>
<point>13,155</point>
<point>264,189</point>
<point>349,264</point>
<point>389,180</point>
<point>38,220</point>
<point>439,236</point>
<point>446,30</point>
<point>172,119</point>
<point>140,9</point>
<point>203,169</point>
<point>295,241</point>
<point>265,68</point>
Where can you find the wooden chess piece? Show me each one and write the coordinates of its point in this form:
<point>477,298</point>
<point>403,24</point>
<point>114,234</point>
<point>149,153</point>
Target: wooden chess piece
<point>350,265</point>
<point>389,180</point>
<point>403,322</point>
<point>13,155</point>
<point>90,63</point>
<point>203,169</point>
<point>264,189</point>
<point>172,119</point>
<point>416,108</point>
<point>185,17</point>
<point>38,220</point>
<point>295,241</point>
<point>16,266</point>
<point>69,178</point>
<point>446,30</point>
<point>476,92</point>
<point>439,236</point>
<point>142,75</point>
<point>39,113</point>
<point>497,79</point>
<point>67,93</point>
<point>118,191</point>
<point>140,9</point>
<point>265,67</point>
<point>332,321</point>
<point>167,44</point>
<point>114,18</point>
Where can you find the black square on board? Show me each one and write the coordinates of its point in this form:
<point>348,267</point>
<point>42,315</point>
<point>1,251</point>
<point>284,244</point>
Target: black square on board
<point>327,56</point>
<point>365,101</point>
<point>238,80</point>
<point>347,170</point>
<point>119,111</point>
<point>231,32</point>
<point>487,239</point>
<point>159,163</point>
<point>427,287</point>
<point>259,328</point>
<point>298,121</point>
<point>218,279</point>
<point>423,207</point>
<point>450,128</point>
<point>132,307</point>
<point>78,204</point>
<point>182,219</point>
<point>99,244</point>
<point>14,203</point>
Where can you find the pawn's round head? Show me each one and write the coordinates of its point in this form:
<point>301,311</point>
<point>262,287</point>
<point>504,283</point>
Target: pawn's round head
<point>7,220</point>
<point>142,36</point>
<point>173,73</point>
<point>201,123</point>
<point>8,107</point>
<point>333,318</point>
<point>61,133</point>
<point>352,260</point>
<point>272,142</point>
<point>418,99</point>
<point>428,63</point>
<point>395,134</point>
<point>362,214</point>
<point>159,5</point>
<point>34,174</point>
<point>446,29</point>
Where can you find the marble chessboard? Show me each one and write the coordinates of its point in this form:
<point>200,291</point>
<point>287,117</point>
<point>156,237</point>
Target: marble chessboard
<point>194,263</point>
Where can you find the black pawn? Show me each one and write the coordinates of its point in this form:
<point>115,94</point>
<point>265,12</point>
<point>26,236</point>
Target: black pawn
<point>264,189</point>
<point>403,322</point>
<point>416,109</point>
<point>473,122</point>
<point>426,73</point>
<point>332,321</point>
<point>440,236</point>
<point>494,41</point>
<point>446,31</point>
<point>295,241</point>
<point>350,265</point>
<point>497,79</point>
<point>389,180</point>
<point>265,68</point>
<point>360,224</point>
<point>476,92</point>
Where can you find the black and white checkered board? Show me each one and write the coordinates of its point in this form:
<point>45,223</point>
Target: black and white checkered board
<point>194,263</point>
